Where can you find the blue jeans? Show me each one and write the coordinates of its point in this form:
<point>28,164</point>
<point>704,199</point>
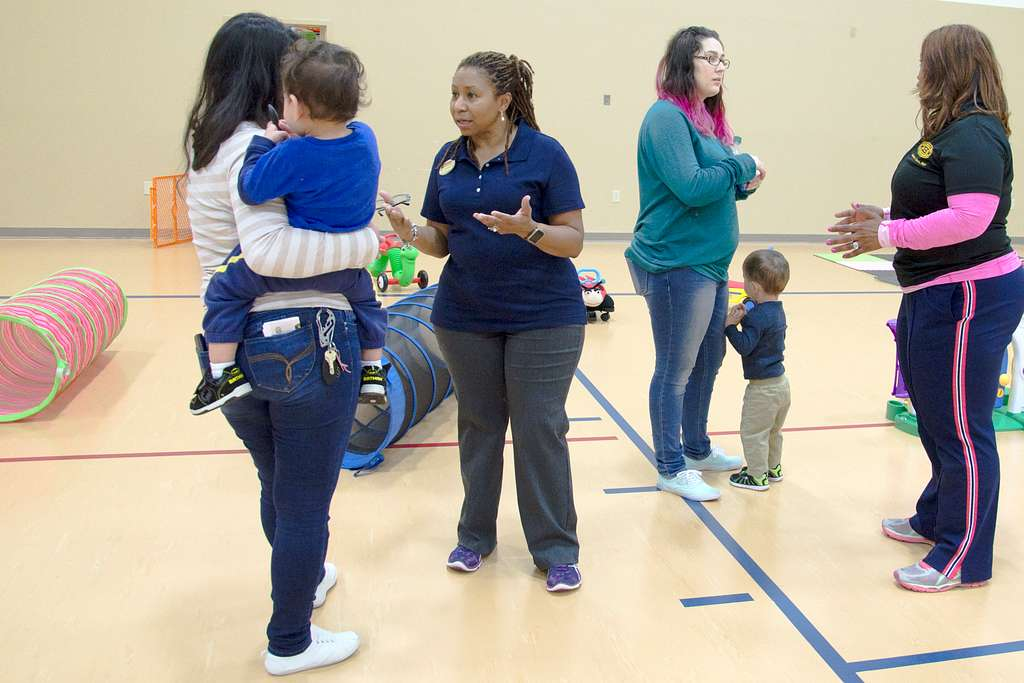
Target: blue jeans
<point>688,321</point>
<point>296,428</point>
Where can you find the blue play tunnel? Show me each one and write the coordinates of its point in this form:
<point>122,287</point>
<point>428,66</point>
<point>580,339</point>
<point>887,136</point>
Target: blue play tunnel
<point>417,376</point>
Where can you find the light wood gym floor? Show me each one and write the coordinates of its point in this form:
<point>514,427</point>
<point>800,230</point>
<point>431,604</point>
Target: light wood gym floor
<point>133,551</point>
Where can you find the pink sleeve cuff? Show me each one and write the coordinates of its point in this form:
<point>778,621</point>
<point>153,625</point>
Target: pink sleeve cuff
<point>883,232</point>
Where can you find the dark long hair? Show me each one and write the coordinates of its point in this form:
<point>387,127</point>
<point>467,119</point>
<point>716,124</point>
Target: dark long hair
<point>508,74</point>
<point>676,84</point>
<point>240,78</point>
<point>959,74</point>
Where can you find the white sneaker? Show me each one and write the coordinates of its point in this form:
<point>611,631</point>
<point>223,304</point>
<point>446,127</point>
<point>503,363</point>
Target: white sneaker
<point>690,485</point>
<point>922,578</point>
<point>717,461</point>
<point>899,529</point>
<point>327,648</point>
<point>326,584</point>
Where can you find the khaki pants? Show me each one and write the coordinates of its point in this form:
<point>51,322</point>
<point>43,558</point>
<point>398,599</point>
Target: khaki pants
<point>765,404</point>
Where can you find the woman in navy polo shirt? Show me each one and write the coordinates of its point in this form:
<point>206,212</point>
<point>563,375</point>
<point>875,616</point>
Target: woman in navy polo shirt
<point>963,297</point>
<point>503,202</point>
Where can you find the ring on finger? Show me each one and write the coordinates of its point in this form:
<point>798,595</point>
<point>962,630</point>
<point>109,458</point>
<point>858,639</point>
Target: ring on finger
<point>855,245</point>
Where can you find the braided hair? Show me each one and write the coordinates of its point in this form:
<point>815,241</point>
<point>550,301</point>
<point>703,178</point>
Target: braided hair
<point>508,74</point>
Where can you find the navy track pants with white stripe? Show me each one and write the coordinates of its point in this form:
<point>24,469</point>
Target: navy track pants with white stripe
<point>951,340</point>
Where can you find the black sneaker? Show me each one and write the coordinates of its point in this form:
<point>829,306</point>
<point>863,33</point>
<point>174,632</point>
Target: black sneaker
<point>213,393</point>
<point>775,473</point>
<point>744,480</point>
<point>373,386</point>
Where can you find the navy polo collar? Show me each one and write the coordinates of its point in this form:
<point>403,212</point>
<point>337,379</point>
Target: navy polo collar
<point>518,151</point>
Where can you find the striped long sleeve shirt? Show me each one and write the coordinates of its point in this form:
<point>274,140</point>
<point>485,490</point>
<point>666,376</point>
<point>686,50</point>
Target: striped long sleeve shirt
<point>221,221</point>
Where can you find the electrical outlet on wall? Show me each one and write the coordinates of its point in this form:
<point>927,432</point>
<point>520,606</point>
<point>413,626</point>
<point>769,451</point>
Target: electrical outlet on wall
<point>616,196</point>
<point>147,187</point>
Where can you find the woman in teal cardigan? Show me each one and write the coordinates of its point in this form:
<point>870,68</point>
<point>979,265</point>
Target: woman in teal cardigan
<point>685,237</point>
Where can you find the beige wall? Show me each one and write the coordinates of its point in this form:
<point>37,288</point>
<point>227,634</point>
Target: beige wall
<point>96,94</point>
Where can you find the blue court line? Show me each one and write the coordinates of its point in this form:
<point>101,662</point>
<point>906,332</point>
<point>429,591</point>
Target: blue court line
<point>620,294</point>
<point>802,624</point>
<point>845,671</point>
<point>717,600</point>
<point>941,656</point>
<point>584,419</point>
<point>196,296</point>
<point>146,296</point>
<point>845,293</point>
<point>615,415</point>
<point>632,489</point>
<point>807,293</point>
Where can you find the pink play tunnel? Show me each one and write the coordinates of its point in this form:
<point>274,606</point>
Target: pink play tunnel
<point>50,333</point>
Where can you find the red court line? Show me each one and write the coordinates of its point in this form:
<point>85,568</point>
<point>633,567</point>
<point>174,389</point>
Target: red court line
<point>439,444</point>
<point>449,444</point>
<point>824,428</point>
<point>117,456</point>
<point>167,454</point>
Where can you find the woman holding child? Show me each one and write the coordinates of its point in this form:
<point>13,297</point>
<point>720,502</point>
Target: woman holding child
<point>296,421</point>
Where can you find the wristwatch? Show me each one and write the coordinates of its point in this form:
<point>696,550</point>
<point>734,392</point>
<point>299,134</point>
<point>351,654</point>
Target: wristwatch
<point>535,236</point>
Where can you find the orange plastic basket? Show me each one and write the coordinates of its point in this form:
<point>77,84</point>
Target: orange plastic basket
<point>168,212</point>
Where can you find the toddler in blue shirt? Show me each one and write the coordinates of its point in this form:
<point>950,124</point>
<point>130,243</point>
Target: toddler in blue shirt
<point>761,341</point>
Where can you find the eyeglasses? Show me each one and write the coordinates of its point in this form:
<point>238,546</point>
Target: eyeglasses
<point>396,200</point>
<point>715,59</point>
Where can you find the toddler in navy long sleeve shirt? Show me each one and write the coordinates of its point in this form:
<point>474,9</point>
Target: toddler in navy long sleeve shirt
<point>759,336</point>
<point>762,340</point>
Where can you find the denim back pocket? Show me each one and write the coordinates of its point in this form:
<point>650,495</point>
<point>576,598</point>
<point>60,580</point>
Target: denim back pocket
<point>280,363</point>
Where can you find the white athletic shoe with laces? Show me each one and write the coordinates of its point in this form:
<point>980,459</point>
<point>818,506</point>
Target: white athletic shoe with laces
<point>899,529</point>
<point>717,461</point>
<point>327,648</point>
<point>922,578</point>
<point>688,484</point>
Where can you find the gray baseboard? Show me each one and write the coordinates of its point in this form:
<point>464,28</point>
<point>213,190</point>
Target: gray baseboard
<point>75,233</point>
<point>143,234</point>
<point>783,238</point>
<point>771,238</point>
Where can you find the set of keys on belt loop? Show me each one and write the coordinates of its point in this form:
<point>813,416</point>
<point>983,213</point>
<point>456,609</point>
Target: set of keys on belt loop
<point>332,367</point>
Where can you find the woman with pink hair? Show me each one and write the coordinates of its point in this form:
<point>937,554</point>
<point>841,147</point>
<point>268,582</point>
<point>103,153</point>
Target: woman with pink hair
<point>686,234</point>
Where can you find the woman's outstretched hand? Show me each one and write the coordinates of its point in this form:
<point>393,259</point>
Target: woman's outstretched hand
<point>521,223</point>
<point>857,229</point>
